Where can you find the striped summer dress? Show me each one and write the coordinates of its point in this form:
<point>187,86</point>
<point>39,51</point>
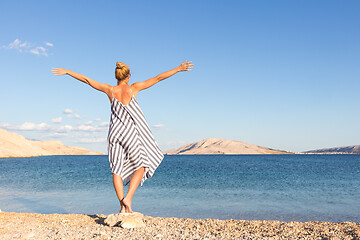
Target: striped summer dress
<point>131,144</point>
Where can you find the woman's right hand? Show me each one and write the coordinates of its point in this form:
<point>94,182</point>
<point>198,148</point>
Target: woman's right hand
<point>186,66</point>
<point>59,71</point>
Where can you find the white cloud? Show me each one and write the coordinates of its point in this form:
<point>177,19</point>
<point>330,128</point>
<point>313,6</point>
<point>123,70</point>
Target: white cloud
<point>65,128</point>
<point>89,128</point>
<point>67,111</point>
<point>158,126</point>
<point>58,130</point>
<point>103,124</point>
<point>56,120</point>
<point>29,126</point>
<point>89,123</point>
<point>34,126</point>
<point>97,119</point>
<point>5,125</point>
<point>77,116</point>
<point>86,128</point>
<point>49,44</point>
<point>25,46</point>
<point>57,135</point>
<point>82,134</point>
<point>39,51</point>
<point>92,140</point>
<point>26,126</point>
<point>17,45</point>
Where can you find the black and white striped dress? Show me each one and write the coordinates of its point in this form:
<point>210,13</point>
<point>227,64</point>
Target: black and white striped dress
<point>131,144</point>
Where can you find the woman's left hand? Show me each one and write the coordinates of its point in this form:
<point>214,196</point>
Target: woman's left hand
<point>59,71</point>
<point>186,66</point>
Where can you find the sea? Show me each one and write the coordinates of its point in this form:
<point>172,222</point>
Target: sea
<point>243,187</point>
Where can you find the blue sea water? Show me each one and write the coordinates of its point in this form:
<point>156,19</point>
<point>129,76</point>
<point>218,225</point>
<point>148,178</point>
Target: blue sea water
<point>249,187</point>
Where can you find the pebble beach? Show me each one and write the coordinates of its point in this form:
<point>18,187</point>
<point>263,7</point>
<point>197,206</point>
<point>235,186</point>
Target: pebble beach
<point>80,226</point>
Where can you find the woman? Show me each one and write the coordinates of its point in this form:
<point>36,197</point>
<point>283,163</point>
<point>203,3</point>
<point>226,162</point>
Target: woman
<point>133,152</point>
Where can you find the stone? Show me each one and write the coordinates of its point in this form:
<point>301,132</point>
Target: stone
<point>125,220</point>
<point>29,235</point>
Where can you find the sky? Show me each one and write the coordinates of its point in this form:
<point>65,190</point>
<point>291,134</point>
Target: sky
<point>279,74</point>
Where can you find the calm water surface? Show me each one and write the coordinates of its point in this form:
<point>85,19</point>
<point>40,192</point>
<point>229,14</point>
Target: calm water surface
<point>260,187</point>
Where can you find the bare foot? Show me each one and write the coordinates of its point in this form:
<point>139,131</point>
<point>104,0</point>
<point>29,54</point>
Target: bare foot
<point>122,210</point>
<point>127,206</point>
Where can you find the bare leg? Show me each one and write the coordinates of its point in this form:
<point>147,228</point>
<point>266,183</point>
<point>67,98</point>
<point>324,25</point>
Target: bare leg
<point>119,189</point>
<point>134,183</point>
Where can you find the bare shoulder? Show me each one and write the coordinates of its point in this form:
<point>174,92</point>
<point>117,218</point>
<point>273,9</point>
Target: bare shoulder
<point>136,87</point>
<point>106,88</point>
<point>139,86</point>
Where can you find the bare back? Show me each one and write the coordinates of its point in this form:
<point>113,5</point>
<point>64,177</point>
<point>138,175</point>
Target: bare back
<point>123,93</point>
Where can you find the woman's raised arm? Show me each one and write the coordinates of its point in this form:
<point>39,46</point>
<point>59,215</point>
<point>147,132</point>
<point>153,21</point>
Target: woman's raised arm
<point>106,88</point>
<point>185,66</point>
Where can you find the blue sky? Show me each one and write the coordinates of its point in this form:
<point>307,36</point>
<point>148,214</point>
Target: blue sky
<point>280,74</point>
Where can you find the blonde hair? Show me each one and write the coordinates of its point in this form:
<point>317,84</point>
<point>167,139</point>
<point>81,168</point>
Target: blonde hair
<point>121,71</point>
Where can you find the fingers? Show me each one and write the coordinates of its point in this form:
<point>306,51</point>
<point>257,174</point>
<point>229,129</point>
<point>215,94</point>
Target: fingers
<point>187,65</point>
<point>56,71</point>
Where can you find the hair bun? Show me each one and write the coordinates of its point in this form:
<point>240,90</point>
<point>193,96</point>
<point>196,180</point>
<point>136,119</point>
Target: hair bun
<point>120,65</point>
<point>122,71</point>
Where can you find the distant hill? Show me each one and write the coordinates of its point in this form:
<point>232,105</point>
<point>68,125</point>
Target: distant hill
<point>15,145</point>
<point>355,149</point>
<point>222,146</point>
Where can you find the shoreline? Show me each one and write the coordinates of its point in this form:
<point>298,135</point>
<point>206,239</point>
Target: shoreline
<point>80,226</point>
<point>36,156</point>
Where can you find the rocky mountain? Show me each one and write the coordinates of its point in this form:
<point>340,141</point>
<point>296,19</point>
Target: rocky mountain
<point>355,149</point>
<point>15,145</point>
<point>222,146</point>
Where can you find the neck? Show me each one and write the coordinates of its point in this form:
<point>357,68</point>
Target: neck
<point>122,82</point>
